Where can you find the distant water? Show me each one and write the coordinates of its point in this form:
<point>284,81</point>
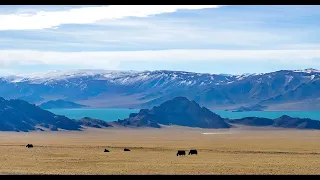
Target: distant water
<point>103,114</point>
<point>115,114</point>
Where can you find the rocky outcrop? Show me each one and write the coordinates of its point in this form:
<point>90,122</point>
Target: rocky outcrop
<point>95,123</point>
<point>282,122</point>
<point>60,104</point>
<point>299,123</point>
<point>252,121</point>
<point>178,111</point>
<point>256,107</point>
<point>19,115</point>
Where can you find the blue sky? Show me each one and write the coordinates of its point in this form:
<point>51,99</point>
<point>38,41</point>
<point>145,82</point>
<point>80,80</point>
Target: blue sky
<point>211,39</point>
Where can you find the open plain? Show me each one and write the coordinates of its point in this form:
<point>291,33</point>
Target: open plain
<point>153,151</point>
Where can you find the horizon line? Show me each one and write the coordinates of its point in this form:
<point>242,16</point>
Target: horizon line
<point>140,71</point>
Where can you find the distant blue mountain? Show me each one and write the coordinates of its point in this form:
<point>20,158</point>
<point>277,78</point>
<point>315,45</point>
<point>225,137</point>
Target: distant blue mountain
<point>19,115</point>
<point>183,112</point>
<point>281,122</point>
<point>178,111</point>
<point>280,90</point>
<point>61,104</point>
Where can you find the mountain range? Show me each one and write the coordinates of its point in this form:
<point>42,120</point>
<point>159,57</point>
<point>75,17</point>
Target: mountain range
<point>19,115</point>
<point>280,90</point>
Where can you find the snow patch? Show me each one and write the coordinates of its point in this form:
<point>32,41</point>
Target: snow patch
<point>288,79</point>
<point>309,70</point>
<point>312,77</point>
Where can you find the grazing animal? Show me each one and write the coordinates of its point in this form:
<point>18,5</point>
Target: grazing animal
<point>29,146</point>
<point>193,151</point>
<point>125,149</point>
<point>181,153</point>
<point>106,150</point>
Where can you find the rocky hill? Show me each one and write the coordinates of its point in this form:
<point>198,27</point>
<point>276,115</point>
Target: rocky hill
<point>95,123</point>
<point>183,112</point>
<point>256,107</point>
<point>282,122</point>
<point>299,123</point>
<point>61,104</point>
<point>19,115</point>
<point>178,111</point>
<point>252,121</point>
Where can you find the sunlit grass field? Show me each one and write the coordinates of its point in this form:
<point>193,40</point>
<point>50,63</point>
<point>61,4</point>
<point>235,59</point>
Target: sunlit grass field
<point>153,151</point>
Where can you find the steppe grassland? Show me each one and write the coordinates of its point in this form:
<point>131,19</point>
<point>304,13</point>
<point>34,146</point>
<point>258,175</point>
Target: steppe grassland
<point>153,151</point>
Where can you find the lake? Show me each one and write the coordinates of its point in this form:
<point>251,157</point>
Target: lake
<point>115,114</point>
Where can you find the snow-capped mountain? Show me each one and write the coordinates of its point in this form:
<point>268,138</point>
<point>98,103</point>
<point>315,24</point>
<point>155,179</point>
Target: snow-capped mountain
<point>117,77</point>
<point>103,88</point>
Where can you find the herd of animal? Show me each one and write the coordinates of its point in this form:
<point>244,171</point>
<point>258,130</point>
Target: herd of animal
<point>179,153</point>
<point>183,153</point>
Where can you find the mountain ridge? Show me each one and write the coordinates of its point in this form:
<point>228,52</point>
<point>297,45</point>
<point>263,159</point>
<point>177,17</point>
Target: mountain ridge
<point>183,112</point>
<point>19,115</point>
<point>145,89</point>
<point>60,104</point>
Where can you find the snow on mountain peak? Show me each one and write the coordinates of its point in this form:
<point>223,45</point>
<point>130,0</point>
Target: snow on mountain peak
<point>159,77</point>
<point>59,75</point>
<point>308,70</point>
<point>163,77</point>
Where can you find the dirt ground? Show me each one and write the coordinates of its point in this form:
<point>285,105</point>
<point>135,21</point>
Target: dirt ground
<point>153,151</point>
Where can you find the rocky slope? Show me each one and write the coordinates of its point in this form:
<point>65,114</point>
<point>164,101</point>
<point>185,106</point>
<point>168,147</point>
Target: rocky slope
<point>282,122</point>
<point>256,107</point>
<point>178,111</point>
<point>299,123</point>
<point>95,123</point>
<point>61,104</point>
<point>183,112</point>
<point>19,115</point>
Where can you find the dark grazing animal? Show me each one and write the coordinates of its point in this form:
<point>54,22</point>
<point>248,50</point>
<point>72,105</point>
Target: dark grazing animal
<point>125,149</point>
<point>181,153</point>
<point>193,151</point>
<point>106,150</point>
<point>29,146</point>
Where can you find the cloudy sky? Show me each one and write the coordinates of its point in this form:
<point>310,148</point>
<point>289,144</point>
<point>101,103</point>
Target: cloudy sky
<point>213,39</point>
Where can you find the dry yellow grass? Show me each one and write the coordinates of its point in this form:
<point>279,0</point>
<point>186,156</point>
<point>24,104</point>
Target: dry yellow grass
<point>153,151</point>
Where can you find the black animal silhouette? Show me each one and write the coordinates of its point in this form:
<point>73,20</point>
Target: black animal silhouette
<point>125,149</point>
<point>106,150</point>
<point>193,151</point>
<point>29,146</point>
<point>181,153</point>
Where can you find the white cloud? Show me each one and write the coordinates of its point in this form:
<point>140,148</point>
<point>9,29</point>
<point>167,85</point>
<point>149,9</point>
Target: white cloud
<point>112,59</point>
<point>150,33</point>
<point>185,34</point>
<point>231,28</point>
<point>299,46</point>
<point>87,15</point>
